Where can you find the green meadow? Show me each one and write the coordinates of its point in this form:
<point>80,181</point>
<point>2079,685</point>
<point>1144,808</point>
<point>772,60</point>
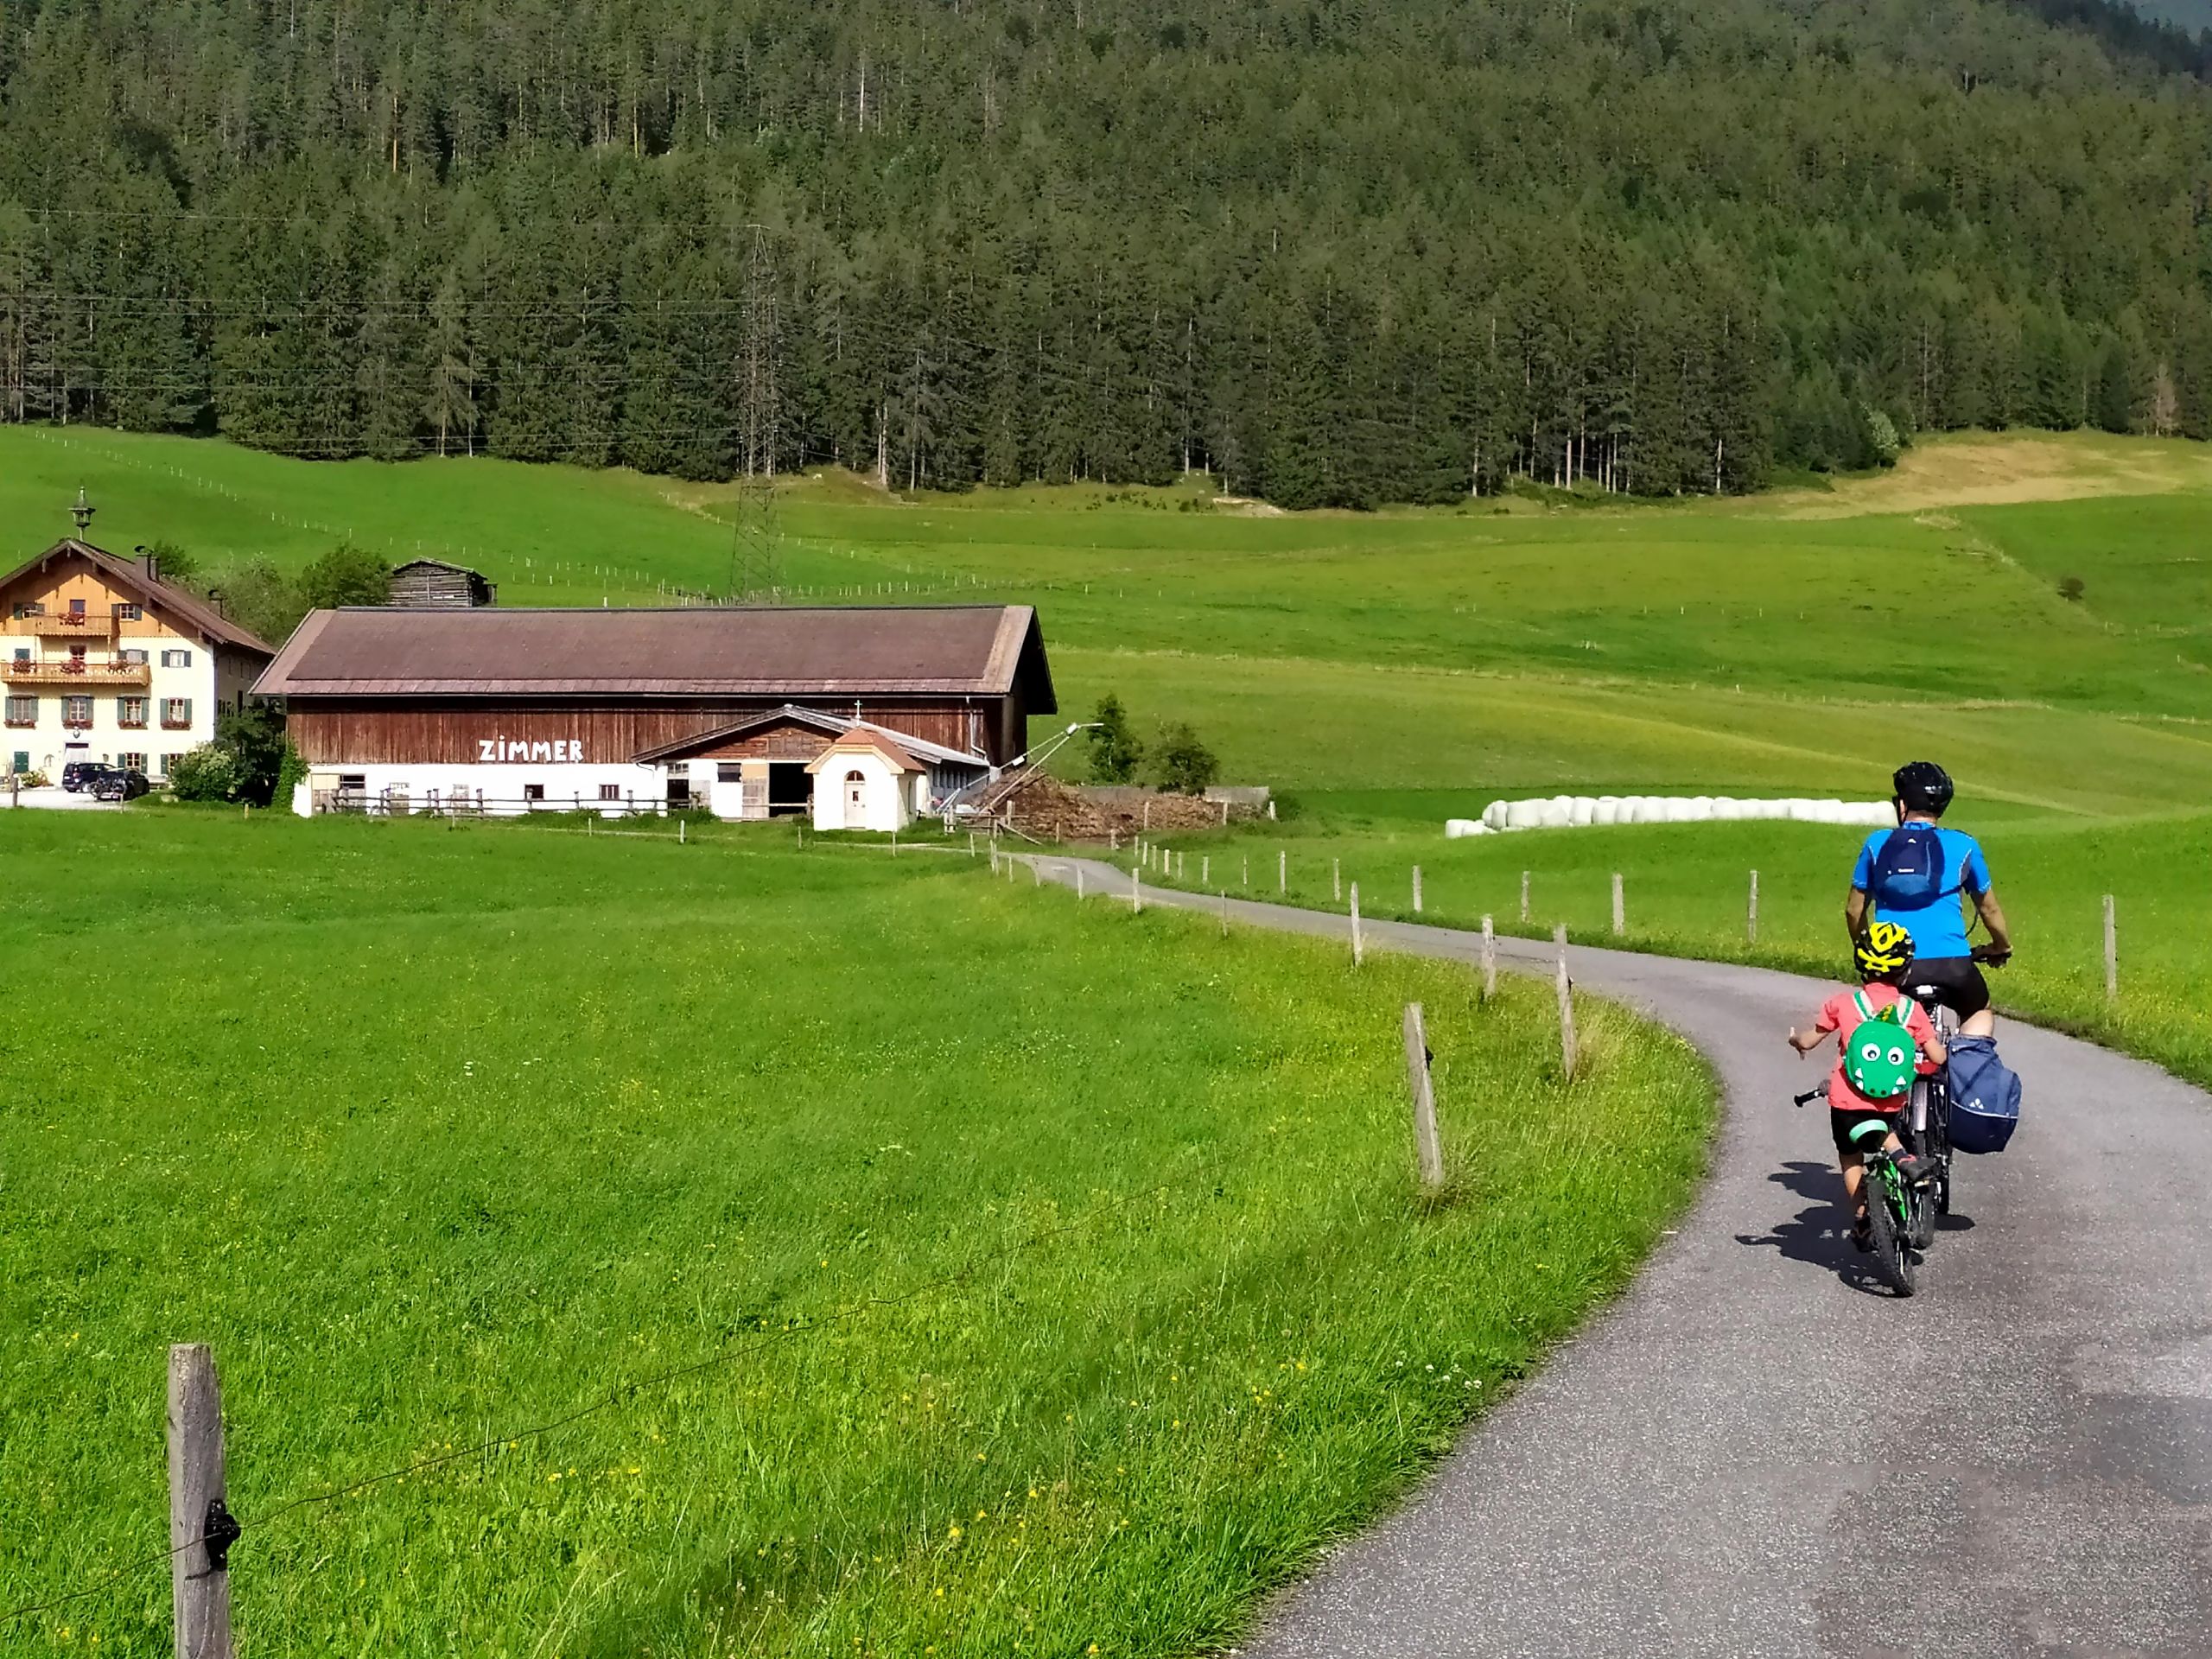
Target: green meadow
<point>938,1263</point>
<point>1057,1269</point>
<point>1522,644</point>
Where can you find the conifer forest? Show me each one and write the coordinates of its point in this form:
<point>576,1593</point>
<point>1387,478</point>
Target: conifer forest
<point>1343,252</point>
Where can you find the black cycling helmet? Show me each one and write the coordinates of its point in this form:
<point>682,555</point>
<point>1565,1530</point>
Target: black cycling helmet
<point>1923,786</point>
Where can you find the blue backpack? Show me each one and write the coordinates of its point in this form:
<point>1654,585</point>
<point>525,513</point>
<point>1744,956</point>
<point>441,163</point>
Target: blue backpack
<point>1985,1096</point>
<point>1909,868</point>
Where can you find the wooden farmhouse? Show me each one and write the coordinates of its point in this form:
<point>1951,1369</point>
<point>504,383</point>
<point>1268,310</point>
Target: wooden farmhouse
<point>105,661</point>
<point>861,717</point>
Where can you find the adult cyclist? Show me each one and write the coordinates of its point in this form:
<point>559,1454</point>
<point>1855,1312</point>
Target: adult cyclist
<point>1914,875</point>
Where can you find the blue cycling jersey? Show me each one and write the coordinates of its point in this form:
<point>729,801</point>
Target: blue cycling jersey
<point>1938,928</point>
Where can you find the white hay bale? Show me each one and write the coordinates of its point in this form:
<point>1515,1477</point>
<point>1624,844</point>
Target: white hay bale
<point>1606,810</point>
<point>1557,813</point>
<point>1458,828</point>
<point>1583,813</point>
<point>1493,814</point>
<point>1523,815</point>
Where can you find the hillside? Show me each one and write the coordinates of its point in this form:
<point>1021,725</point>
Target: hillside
<point>1341,253</point>
<point>1742,646</point>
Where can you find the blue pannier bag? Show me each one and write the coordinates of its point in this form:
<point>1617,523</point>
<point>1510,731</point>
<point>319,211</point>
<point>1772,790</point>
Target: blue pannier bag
<point>1909,868</point>
<point>1985,1096</point>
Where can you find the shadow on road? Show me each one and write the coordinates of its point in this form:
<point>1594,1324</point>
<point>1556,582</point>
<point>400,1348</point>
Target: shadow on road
<point>1819,1235</point>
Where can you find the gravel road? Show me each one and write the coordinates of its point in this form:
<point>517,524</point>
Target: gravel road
<point>1759,1452</point>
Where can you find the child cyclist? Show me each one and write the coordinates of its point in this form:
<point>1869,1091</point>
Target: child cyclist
<point>1883,954</point>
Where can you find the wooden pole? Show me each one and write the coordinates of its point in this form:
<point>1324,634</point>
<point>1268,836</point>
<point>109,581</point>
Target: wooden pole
<point>1489,961</point>
<point>1524,897</point>
<point>681,826</point>
<point>1358,953</point>
<point>1416,889</point>
<point>1751,915</point>
<point>1224,912</point>
<point>1248,872</point>
<point>1568,1053</point>
<point>1079,880</point>
<point>1337,880</point>
<point>1425,1143</point>
<point>1136,891</point>
<point>2112,952</point>
<point>200,1528</point>
<point>1620,908</point>
<point>1205,870</point>
<point>1282,869</point>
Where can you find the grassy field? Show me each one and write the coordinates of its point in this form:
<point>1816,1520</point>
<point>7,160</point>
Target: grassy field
<point>1503,646</point>
<point>1053,1277</point>
<point>1686,888</point>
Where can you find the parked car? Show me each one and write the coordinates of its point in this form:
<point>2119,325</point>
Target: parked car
<point>80,773</point>
<point>119,784</point>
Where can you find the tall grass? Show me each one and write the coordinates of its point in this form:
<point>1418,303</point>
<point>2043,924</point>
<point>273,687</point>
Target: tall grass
<point>1060,1269</point>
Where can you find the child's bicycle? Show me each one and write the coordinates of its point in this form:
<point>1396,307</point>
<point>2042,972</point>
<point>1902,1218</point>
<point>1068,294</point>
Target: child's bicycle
<point>1894,1208</point>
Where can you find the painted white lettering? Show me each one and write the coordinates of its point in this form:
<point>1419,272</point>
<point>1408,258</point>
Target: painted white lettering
<point>484,748</point>
<point>560,749</point>
<point>541,751</point>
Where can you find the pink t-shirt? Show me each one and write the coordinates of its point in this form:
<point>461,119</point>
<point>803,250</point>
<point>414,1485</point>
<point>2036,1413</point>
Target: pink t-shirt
<point>1840,1014</point>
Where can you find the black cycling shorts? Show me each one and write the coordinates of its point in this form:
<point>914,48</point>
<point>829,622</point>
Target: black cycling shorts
<point>1955,981</point>
<point>1840,1124</point>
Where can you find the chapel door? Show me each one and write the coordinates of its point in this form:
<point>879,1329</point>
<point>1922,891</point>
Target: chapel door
<point>855,800</point>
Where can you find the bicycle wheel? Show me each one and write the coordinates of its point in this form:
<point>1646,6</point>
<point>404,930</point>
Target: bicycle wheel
<point>1893,1254</point>
<point>1928,1144</point>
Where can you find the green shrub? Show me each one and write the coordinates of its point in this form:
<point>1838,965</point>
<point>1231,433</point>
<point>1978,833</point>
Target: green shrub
<point>209,772</point>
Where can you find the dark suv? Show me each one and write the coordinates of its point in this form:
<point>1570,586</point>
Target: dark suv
<point>119,784</point>
<point>81,774</point>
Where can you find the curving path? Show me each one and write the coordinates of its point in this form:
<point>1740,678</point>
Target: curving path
<point>1756,1451</point>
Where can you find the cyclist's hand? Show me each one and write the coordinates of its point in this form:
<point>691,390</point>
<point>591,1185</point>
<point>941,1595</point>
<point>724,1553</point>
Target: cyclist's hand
<point>1995,955</point>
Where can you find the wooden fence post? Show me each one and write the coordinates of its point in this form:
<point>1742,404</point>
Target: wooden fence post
<point>1112,837</point>
<point>1426,1144</point>
<point>2112,952</point>
<point>971,845</point>
<point>201,1530</point>
<point>1282,869</point>
<point>1337,880</point>
<point>1620,908</point>
<point>1489,961</point>
<point>1248,872</point>
<point>1357,953</point>
<point>1568,1053</point>
<point>1136,891</point>
<point>1416,889</point>
<point>1224,912</point>
<point>1751,915</point>
<point>1524,897</point>
<point>1079,880</point>
<point>1205,870</point>
<point>683,825</point>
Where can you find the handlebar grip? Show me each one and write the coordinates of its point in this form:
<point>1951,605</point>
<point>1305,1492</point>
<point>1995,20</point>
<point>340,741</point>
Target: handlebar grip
<point>1810,1096</point>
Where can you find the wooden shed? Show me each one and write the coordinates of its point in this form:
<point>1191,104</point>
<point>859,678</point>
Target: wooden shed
<point>435,584</point>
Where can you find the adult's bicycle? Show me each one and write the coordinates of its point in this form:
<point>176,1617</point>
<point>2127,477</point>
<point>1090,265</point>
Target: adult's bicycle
<point>1894,1205</point>
<point>1926,1128</point>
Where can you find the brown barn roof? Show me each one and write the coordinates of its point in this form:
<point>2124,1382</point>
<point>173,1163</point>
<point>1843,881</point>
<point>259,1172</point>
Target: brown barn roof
<point>819,719</point>
<point>967,650</point>
<point>131,576</point>
<point>867,737</point>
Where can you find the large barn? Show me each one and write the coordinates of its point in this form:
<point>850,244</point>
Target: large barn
<point>497,710</point>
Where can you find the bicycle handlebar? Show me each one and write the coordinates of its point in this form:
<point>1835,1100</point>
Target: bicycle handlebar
<point>1810,1096</point>
<point>1991,954</point>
